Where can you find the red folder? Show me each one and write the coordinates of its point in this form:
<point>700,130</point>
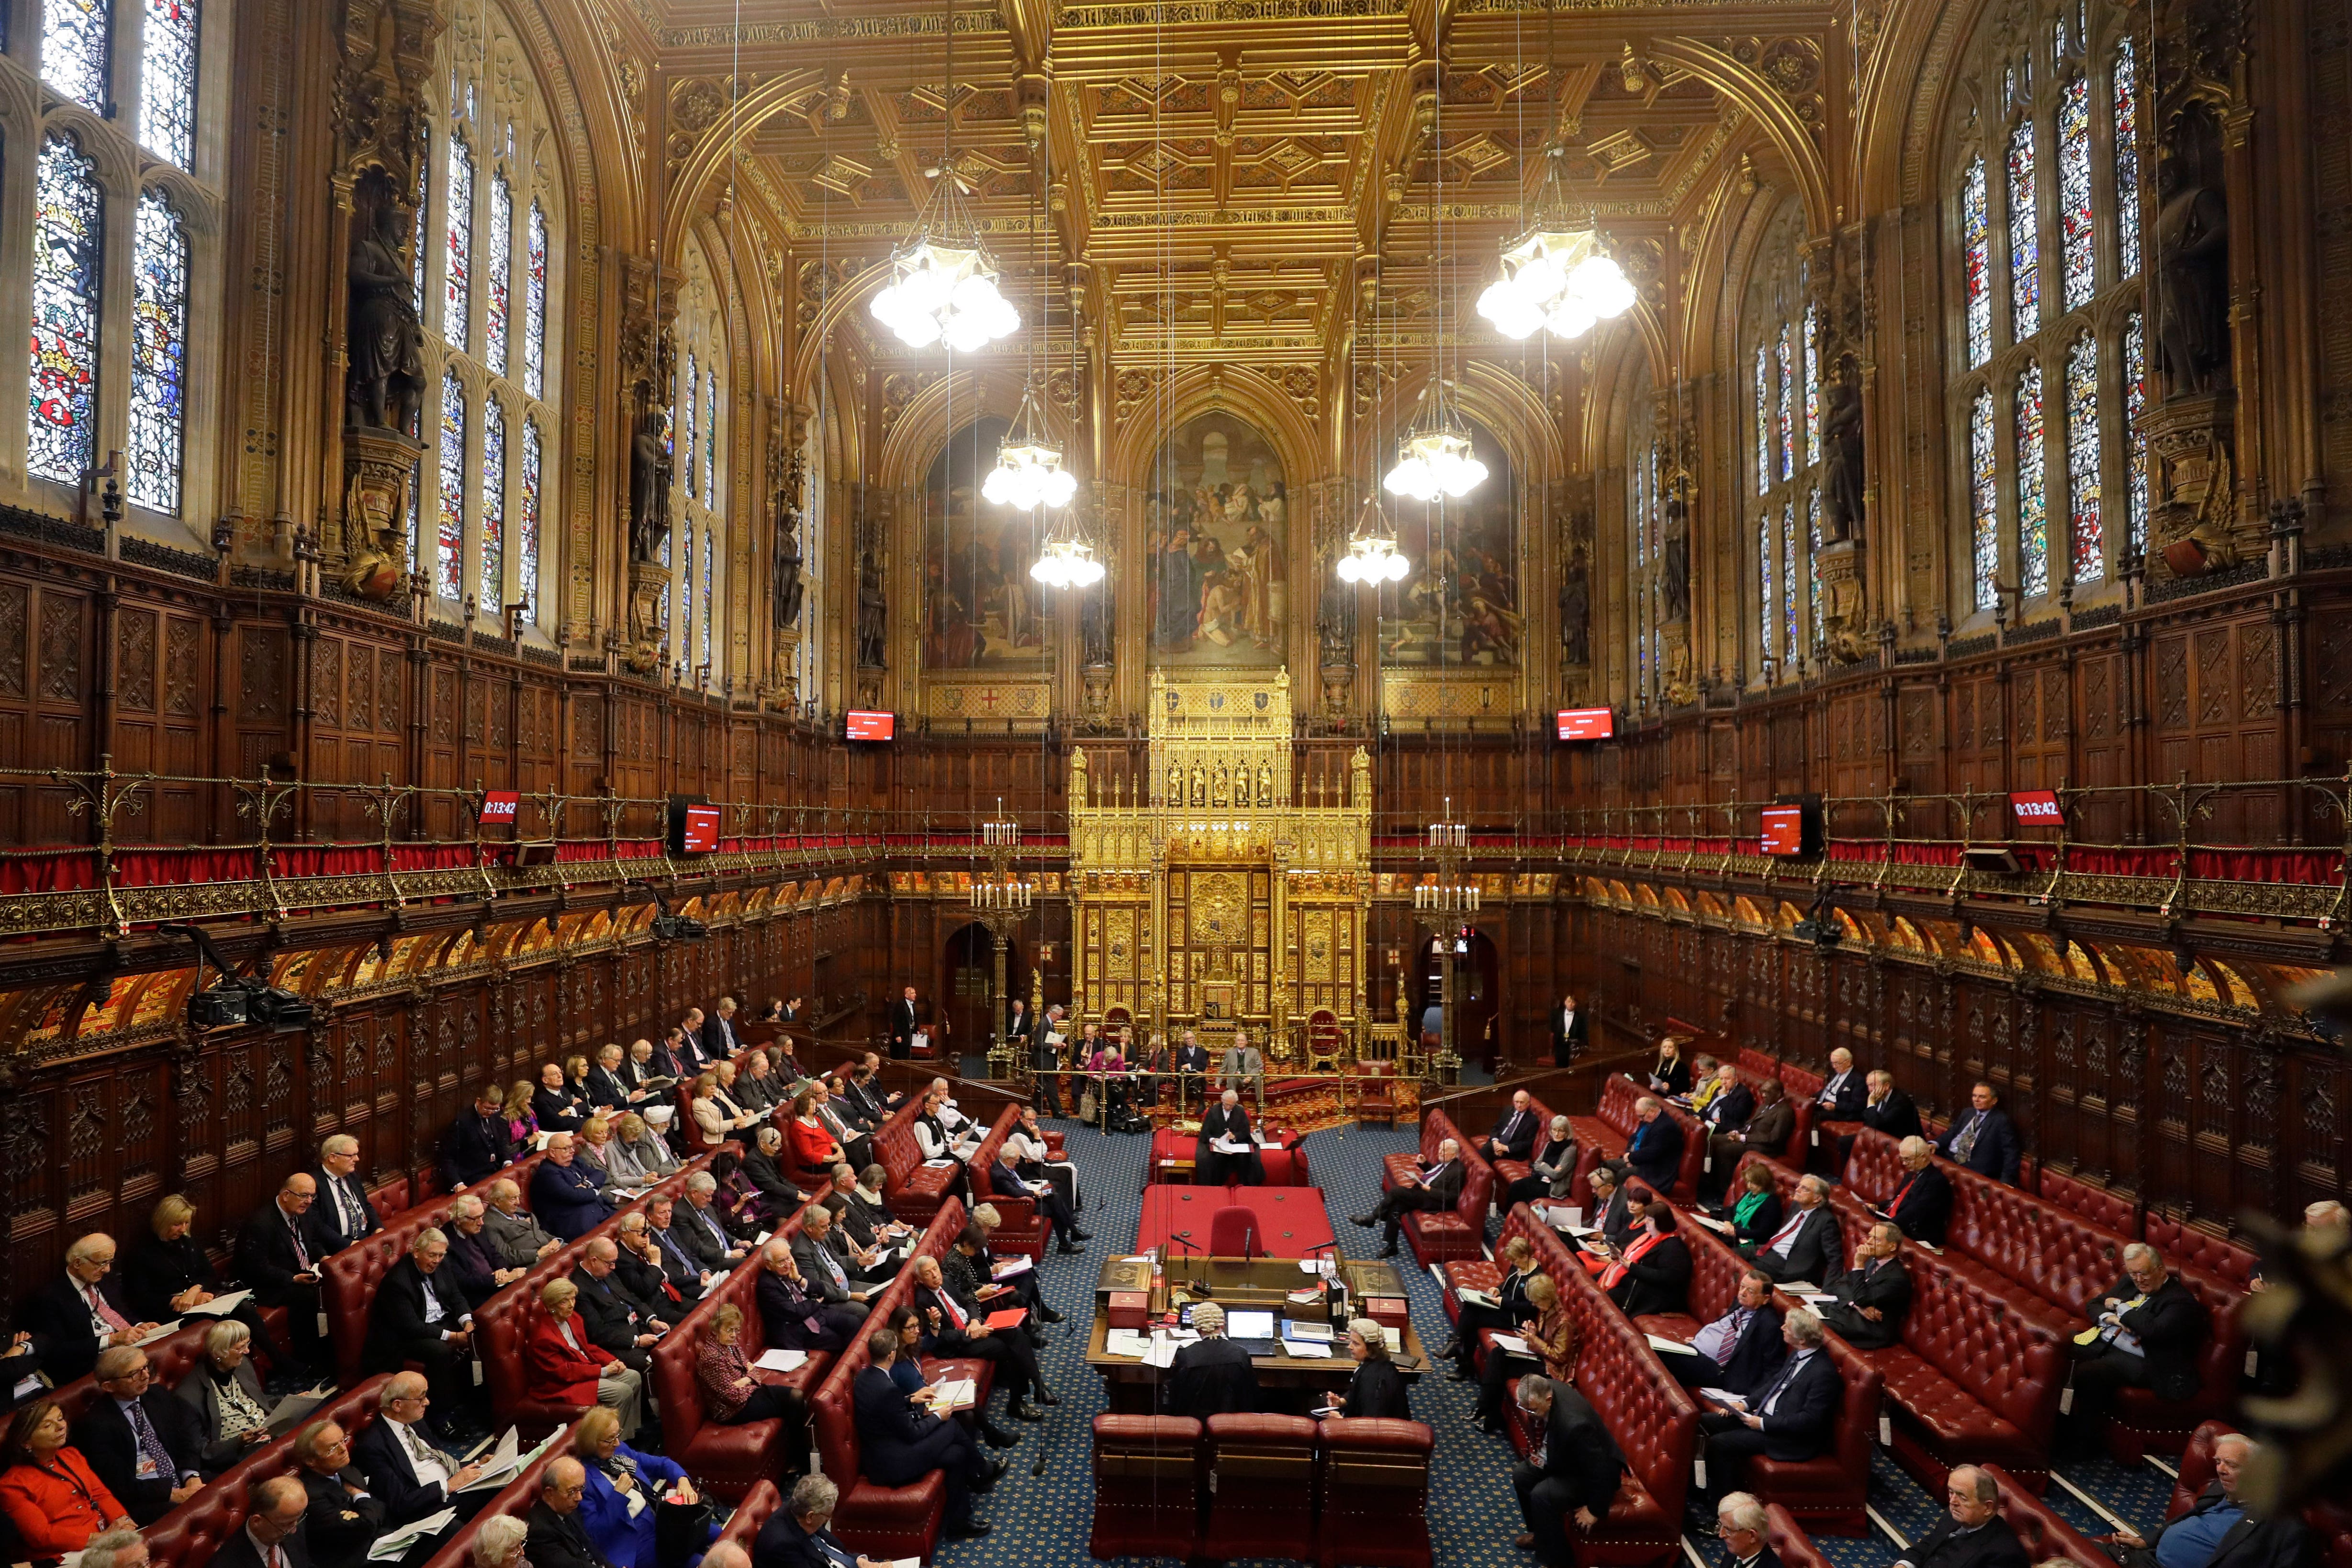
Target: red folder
<point>1010,1318</point>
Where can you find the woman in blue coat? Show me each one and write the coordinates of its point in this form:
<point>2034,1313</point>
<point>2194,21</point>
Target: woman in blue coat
<point>625,1490</point>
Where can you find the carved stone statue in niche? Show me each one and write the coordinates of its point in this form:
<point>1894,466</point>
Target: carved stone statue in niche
<point>1575,610</point>
<point>1841,482</point>
<point>1676,541</point>
<point>649,475</point>
<point>1097,625</point>
<point>386,383</point>
<point>873,614</point>
<point>2192,278</point>
<point>1335,621</point>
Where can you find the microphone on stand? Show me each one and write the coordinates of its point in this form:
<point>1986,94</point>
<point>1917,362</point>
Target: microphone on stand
<point>1199,1287</point>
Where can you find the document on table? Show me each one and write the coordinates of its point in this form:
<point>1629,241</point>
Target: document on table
<point>1672,1347</point>
<point>394,1545</point>
<point>939,1165</point>
<point>1163,1352</point>
<point>220,1306</point>
<point>782,1361</point>
<point>1511,1342</point>
<point>1306,1350</point>
<point>1229,1146</point>
<point>1470,1297</point>
<point>1128,1342</point>
<point>1299,1329</point>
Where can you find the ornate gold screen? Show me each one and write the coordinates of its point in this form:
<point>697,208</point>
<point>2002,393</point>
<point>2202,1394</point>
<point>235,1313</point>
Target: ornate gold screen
<point>1219,900</point>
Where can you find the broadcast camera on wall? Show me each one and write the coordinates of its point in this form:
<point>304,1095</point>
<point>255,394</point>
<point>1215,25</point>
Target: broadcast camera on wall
<point>237,1001</point>
<point>668,927</point>
<point>1820,925</point>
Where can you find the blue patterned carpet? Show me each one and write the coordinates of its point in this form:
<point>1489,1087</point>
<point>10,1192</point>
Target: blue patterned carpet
<point>1043,1509</point>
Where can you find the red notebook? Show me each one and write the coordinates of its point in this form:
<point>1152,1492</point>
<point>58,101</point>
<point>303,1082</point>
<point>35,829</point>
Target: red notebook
<point>1010,1318</point>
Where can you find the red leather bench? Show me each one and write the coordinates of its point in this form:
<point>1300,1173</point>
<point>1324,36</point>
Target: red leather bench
<point>514,1500</point>
<point>2184,1245</point>
<point>1262,1473</point>
<point>2040,1530</point>
<point>913,1189</point>
<point>1612,1121</point>
<point>762,1501</point>
<point>190,1534</point>
<point>1789,1540</point>
<point>1374,1505</point>
<point>1441,1235</point>
<point>2330,1522</point>
<point>2111,1211</point>
<point>1148,1486</point>
<point>2143,1423</point>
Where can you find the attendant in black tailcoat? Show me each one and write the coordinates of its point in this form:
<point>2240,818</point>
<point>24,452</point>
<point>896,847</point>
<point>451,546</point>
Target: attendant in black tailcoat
<point>1568,1031</point>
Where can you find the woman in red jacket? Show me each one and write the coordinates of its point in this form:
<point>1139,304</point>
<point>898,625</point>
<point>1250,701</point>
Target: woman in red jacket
<point>562,1365</point>
<point>46,1487</point>
<point>814,1148</point>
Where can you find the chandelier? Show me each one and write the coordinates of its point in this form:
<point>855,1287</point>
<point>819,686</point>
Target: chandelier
<point>1372,554</point>
<point>1558,275</point>
<point>1435,456</point>
<point>1451,894</point>
<point>1066,560</point>
<point>942,283</point>
<point>1029,472</point>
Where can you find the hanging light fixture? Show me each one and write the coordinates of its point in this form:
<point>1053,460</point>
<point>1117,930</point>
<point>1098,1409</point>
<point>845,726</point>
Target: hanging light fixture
<point>1435,456</point>
<point>1029,472</point>
<point>1372,554</point>
<point>942,285</point>
<point>1558,275</point>
<point>1066,560</point>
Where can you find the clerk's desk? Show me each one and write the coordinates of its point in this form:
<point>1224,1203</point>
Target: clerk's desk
<point>1261,1283</point>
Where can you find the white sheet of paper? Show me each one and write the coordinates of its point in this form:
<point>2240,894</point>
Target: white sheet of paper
<point>1128,1342</point>
<point>162,1330</point>
<point>1229,1146</point>
<point>1473,1298</point>
<point>1672,1347</point>
<point>1006,1267</point>
<point>1306,1350</point>
<point>1714,1225</point>
<point>1311,1265</point>
<point>221,1306</point>
<point>1511,1342</point>
<point>394,1544</point>
<point>1724,1397</point>
<point>1163,1351</point>
<point>954,1396</point>
<point>782,1361</point>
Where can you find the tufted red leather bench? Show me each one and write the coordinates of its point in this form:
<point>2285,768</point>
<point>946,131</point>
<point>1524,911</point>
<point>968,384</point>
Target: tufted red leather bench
<point>1789,1540</point>
<point>169,1358</point>
<point>2190,1247</point>
<point>514,1500</point>
<point>1148,1487</point>
<point>2113,1211</point>
<point>2331,1523</point>
<point>1439,1235</point>
<point>1612,1119</point>
<point>2142,1424</point>
<point>762,1501</point>
<point>1374,1504</point>
<point>1509,1171</point>
<point>191,1533</point>
<point>914,1190</point>
<point>1261,1483</point>
<point>2040,1530</point>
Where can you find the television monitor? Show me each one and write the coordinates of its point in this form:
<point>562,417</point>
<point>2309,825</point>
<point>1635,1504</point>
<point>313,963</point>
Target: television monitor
<point>867,726</point>
<point>1587,723</point>
<point>693,826</point>
<point>501,806</point>
<point>1242,1323</point>
<point>2037,808</point>
<point>1790,828</point>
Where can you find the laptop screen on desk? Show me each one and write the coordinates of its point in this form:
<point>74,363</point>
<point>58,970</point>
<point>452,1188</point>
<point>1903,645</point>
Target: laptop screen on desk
<point>1249,1325</point>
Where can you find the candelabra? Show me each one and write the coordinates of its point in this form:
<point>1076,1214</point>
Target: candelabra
<point>1439,911</point>
<point>1000,902</point>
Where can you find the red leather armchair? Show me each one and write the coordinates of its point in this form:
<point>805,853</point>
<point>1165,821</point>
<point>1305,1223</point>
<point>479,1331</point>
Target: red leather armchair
<point>2191,1248</point>
<point>1261,1472</point>
<point>1375,1493</point>
<point>2040,1530</point>
<point>888,1522</point>
<point>762,1501</point>
<point>1789,1540</point>
<point>1148,1482</point>
<point>1612,1121</point>
<point>189,1535</point>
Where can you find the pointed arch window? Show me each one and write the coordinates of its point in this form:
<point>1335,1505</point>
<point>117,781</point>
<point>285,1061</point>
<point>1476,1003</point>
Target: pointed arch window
<point>2024,240</point>
<point>2126,157</point>
<point>1812,350</point>
<point>710,437</point>
<point>158,355</point>
<point>686,595</point>
<point>2032,488</point>
<point>1976,260</point>
<point>1984,500</point>
<point>167,82</point>
<point>710,588</point>
<point>1813,559</point>
<point>527,524</point>
<point>1764,588</point>
<point>67,246</point>
<point>1788,401</point>
<point>2135,434</point>
<point>1789,576</point>
<point>416,248</point>
<point>534,304</point>
<point>76,36</point>
<point>457,264</point>
<point>499,277</point>
<point>494,507</point>
<point>1763,421</point>
<point>686,414</point>
<point>2075,226</point>
<point>450,542</point>
<point>2087,537</point>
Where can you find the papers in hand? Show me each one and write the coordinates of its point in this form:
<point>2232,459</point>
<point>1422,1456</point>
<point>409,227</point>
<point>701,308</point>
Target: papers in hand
<point>782,1361</point>
<point>220,1306</point>
<point>1470,1297</point>
<point>288,1412</point>
<point>1006,1267</point>
<point>394,1545</point>
<point>1717,1226</point>
<point>1724,1397</point>
<point>960,1395</point>
<point>1512,1344</point>
<point>1010,1318</point>
<point>159,1330</point>
<point>1672,1347</point>
<point>1229,1146</point>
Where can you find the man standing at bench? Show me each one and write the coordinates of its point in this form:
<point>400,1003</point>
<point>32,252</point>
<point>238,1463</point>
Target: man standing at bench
<point>1571,1472</point>
<point>1430,1189</point>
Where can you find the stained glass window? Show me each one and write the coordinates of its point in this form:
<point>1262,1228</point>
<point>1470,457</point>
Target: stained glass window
<point>686,420</point>
<point>534,304</point>
<point>709,583</point>
<point>1789,576</point>
<point>2135,435</point>
<point>2024,242</point>
<point>527,524</point>
<point>1812,385</point>
<point>415,503</point>
<point>1764,591</point>
<point>73,38</point>
<point>710,440</point>
<point>1975,261</point>
<point>1788,401</point>
<point>1763,423</point>
<point>167,82</point>
<point>1640,531</point>
<point>159,354</point>
<point>1813,559</point>
<point>416,238</point>
<point>2032,489</point>
<point>1984,500</point>
<point>493,591</point>
<point>2084,527</point>
<point>2074,192</point>
<point>2126,108</point>
<point>66,247</point>
<point>686,593</point>
<point>499,276</point>
<point>449,541</point>
<point>457,279</point>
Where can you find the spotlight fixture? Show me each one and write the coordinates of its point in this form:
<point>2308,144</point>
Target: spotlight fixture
<point>1372,556</point>
<point>1558,275</point>
<point>667,927</point>
<point>942,285</point>
<point>1435,456</point>
<point>1029,472</point>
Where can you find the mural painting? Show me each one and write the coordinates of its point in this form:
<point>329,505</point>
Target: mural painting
<point>1460,603</point>
<point>1217,520</point>
<point>980,607</point>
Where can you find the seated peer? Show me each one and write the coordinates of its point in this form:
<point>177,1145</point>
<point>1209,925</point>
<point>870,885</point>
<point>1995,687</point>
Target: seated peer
<point>1654,1152</point>
<point>478,1142</point>
<point>1212,1376</point>
<point>1773,1124</point>
<point>1652,1272</point>
<point>344,1213</point>
<point>1226,1121</point>
<point>813,1145</point>
<point>523,1122</point>
<point>271,1537</point>
<point>757,1087</point>
<point>1376,1391</point>
<point>639,1158</point>
<point>1572,1472</point>
<point>703,1229</point>
<point>1612,1207</point>
<point>732,1396</point>
<point>1844,1093</point>
<point>1972,1534</point>
<point>407,1471</point>
<point>1983,1138</point>
<point>1026,1146</point>
<point>745,1208</point>
<point>278,1253</point>
<point>1873,1295</point>
<point>1519,1268</point>
<point>1740,1350</point>
<point>1706,1081</point>
<point>344,1517</point>
<point>609,1088</point>
<point>143,1445</point>
<point>1806,1246</point>
<point>575,1084</point>
<point>869,1203</point>
<point>47,1489</point>
<point>2221,1524</point>
<point>513,1234</point>
<point>792,1315</point>
<point>682,1269</point>
<point>957,1325</point>
<point>1792,1418</point>
<point>567,1197</point>
<point>172,1272</point>
<point>620,1319</point>
<point>796,1535</point>
<point>1553,1339</point>
<point>627,1491</point>
<point>1723,1120</point>
<point>591,1149</point>
<point>84,1311</point>
<point>1551,1168</point>
<point>866,1222</point>
<point>1671,1075</point>
<point>856,1146</point>
<point>835,1271</point>
<point>1430,1188</point>
<point>557,1536</point>
<point>121,1548</point>
<point>940,1146</point>
<point>726,1075</point>
<point>223,1390</point>
<point>1755,1213</point>
<point>1739,1525</point>
<point>907,1372</point>
<point>897,1447</point>
<point>1514,1137</point>
<point>1922,1205</point>
<point>1886,1109</point>
<point>555,1106</point>
<point>498,1542</point>
<point>981,1263</point>
<point>419,1314</point>
<point>643,1267</point>
<point>1004,1182</point>
<point>2146,1331</point>
<point>478,1271</point>
<point>562,1365</point>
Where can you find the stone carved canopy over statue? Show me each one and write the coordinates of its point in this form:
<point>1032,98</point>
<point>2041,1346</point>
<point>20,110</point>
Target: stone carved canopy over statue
<point>385,387</point>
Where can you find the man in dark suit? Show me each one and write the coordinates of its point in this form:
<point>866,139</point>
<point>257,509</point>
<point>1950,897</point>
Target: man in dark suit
<point>342,1213</point>
<point>1886,1109</point>
<point>1571,1472</point>
<point>1018,1024</point>
<point>1377,1391</point>
<point>1430,1188</point>
<point>609,1088</point>
<point>559,1538</point>
<point>2220,1530</point>
<point>419,1315</point>
<point>1739,1525</point>
<point>404,1468</point>
<point>1740,1350</point>
<point>1922,1205</point>
<point>1612,1212</point>
<point>1514,1137</point>
<point>1792,1418</point>
<point>865,1087</point>
<point>719,1039</point>
<point>2146,1331</point>
<point>278,1253</point>
<point>614,1315</point>
<point>1212,1376</point>
<point>1983,1138</point>
<point>1806,1246</point>
<point>477,1143</point>
<point>1723,1120</point>
<point>903,1023</point>
<point>1873,1295</point>
<point>897,1447</point>
<point>796,1535</point>
<point>344,1516</point>
<point>143,1443</point>
<point>792,1316</point>
<point>566,1196</point>
<point>1654,1152</point>
<point>1844,1091</point>
<point>272,1535</point>
<point>1972,1534</point>
<point>1045,1061</point>
<point>1568,1031</point>
<point>82,1312</point>
<point>1226,1120</point>
<point>1652,1272</point>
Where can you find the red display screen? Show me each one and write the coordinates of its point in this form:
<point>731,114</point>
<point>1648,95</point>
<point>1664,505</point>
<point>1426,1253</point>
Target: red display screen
<point>701,834</point>
<point>2037,808</point>
<point>500,805</point>
<point>1784,830</point>
<point>865,726</point>
<point>1587,723</point>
